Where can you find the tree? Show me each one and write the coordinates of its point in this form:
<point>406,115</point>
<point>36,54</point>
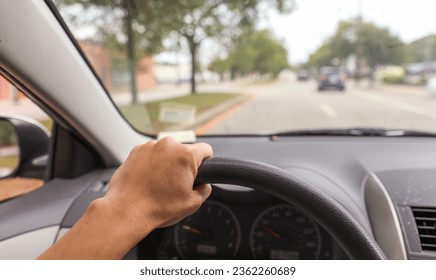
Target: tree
<point>220,66</point>
<point>134,26</point>
<point>322,56</point>
<point>254,52</point>
<point>138,25</point>
<point>343,41</point>
<point>379,46</point>
<point>260,53</point>
<point>197,20</point>
<point>376,45</point>
<point>422,50</point>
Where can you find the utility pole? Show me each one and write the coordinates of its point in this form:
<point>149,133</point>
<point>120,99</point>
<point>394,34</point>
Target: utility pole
<point>358,50</point>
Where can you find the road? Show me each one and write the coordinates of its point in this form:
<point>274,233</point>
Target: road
<point>291,105</point>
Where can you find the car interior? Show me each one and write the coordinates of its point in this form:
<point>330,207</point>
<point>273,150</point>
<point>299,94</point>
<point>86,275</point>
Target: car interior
<point>290,195</point>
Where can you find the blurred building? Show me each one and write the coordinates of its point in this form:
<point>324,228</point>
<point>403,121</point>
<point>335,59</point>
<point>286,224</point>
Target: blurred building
<point>100,60</point>
<point>172,73</point>
<point>5,90</point>
<point>113,69</point>
<point>8,92</point>
<point>145,75</point>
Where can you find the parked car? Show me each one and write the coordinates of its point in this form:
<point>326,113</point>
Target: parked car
<point>331,77</point>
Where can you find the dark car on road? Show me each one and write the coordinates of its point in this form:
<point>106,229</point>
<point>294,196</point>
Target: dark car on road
<point>303,75</point>
<point>331,77</point>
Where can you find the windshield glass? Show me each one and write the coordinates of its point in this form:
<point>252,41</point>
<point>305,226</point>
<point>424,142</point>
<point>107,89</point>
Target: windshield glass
<point>247,67</point>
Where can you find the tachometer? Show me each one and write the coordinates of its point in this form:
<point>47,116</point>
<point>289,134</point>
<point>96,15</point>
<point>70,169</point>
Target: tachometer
<point>212,232</point>
<point>283,232</point>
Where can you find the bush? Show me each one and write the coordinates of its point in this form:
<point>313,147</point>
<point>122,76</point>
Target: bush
<point>7,134</point>
<point>393,80</point>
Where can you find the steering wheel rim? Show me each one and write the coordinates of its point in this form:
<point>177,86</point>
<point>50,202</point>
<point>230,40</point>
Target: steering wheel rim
<point>322,208</point>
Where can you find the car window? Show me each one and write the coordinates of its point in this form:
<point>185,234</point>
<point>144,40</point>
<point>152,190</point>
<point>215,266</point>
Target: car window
<point>13,102</point>
<point>248,67</point>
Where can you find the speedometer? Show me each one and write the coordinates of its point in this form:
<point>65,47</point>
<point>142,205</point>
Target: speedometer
<point>283,232</point>
<point>213,232</point>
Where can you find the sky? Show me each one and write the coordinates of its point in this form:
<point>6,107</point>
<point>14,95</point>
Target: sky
<point>304,30</point>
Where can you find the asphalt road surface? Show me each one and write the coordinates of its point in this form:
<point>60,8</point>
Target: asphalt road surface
<point>291,105</point>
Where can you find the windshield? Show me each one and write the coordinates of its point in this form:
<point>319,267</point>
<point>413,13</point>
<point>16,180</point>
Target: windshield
<point>261,66</point>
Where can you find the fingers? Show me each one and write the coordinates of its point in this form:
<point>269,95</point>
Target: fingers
<point>198,197</point>
<point>202,192</point>
<point>199,150</point>
<point>202,151</point>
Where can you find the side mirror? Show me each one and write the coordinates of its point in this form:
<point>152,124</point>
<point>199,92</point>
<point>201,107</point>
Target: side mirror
<point>23,147</point>
<point>9,151</point>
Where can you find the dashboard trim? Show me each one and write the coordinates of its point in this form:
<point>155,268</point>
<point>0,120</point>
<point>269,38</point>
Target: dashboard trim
<point>29,245</point>
<point>384,219</point>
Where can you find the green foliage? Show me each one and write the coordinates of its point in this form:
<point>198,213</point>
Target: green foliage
<point>379,46</point>
<point>393,80</point>
<point>423,49</point>
<point>203,102</point>
<point>7,133</point>
<point>140,27</point>
<point>376,45</point>
<point>255,52</point>
<point>220,66</point>
<point>131,27</point>
<point>197,20</point>
<point>261,53</point>
<point>322,56</point>
<point>151,21</point>
<point>9,161</point>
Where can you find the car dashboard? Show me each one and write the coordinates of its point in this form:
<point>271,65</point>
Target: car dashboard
<point>388,184</point>
<point>241,223</point>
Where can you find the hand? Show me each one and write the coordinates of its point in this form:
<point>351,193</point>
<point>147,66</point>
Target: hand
<point>154,186</point>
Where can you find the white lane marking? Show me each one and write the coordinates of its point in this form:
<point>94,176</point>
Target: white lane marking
<point>401,105</point>
<point>329,111</point>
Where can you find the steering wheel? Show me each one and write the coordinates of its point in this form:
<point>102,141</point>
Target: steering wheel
<point>322,208</point>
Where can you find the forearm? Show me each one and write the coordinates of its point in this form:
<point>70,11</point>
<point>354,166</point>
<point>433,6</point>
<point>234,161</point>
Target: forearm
<point>152,188</point>
<point>103,232</point>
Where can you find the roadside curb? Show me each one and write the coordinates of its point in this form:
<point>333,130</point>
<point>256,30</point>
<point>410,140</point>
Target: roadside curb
<point>210,114</point>
<point>410,89</point>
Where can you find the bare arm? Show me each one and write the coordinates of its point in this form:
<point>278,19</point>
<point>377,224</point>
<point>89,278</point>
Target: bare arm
<point>151,189</point>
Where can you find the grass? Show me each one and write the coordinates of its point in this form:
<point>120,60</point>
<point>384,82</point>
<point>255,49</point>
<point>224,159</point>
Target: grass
<point>145,117</point>
<point>9,161</point>
<point>48,123</point>
<point>202,102</point>
<point>261,82</point>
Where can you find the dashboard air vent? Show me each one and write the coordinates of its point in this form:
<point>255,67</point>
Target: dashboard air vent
<point>425,219</point>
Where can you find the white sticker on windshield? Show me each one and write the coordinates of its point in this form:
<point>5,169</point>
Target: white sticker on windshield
<point>177,113</point>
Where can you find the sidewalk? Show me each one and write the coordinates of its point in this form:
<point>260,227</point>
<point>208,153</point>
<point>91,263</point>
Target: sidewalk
<point>395,88</point>
<point>170,91</point>
<point>406,89</point>
<point>160,92</point>
<point>26,107</point>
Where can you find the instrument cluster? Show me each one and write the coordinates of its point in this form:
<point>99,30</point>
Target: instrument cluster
<point>242,225</point>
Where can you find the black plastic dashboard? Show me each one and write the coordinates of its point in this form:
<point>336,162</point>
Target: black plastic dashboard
<point>384,182</point>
